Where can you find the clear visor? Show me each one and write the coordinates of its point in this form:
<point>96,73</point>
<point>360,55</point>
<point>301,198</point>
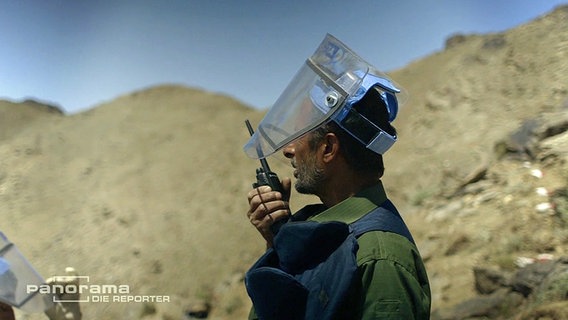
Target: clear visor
<point>305,104</point>
<point>19,281</point>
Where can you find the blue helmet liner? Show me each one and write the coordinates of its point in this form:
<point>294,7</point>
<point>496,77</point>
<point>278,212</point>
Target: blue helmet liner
<point>366,132</point>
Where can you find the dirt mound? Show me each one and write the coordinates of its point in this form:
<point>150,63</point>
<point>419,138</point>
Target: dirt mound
<point>14,116</point>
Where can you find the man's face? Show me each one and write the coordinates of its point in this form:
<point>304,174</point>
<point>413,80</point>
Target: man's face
<point>309,176</point>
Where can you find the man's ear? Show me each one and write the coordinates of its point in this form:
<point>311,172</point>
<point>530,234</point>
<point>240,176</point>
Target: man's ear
<point>330,147</point>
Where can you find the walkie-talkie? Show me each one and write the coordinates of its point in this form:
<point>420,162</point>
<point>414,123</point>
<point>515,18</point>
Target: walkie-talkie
<point>265,177</point>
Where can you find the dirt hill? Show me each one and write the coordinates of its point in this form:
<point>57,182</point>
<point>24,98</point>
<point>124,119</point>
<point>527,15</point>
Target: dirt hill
<point>148,189</point>
<point>16,116</point>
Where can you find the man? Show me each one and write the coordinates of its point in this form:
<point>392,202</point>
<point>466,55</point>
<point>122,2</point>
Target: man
<point>333,123</point>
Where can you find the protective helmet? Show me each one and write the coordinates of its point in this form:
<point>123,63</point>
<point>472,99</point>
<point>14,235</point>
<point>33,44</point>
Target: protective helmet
<point>325,89</point>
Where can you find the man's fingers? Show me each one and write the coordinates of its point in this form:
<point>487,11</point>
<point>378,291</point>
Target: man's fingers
<point>256,191</point>
<point>287,186</point>
<point>266,214</point>
<point>257,197</point>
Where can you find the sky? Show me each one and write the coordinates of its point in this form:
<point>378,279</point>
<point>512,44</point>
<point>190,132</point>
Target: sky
<point>79,54</point>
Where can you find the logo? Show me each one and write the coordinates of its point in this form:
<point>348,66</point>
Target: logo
<point>73,291</point>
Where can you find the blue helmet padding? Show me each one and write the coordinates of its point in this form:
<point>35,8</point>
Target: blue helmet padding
<point>366,132</point>
<point>388,93</point>
<point>392,104</point>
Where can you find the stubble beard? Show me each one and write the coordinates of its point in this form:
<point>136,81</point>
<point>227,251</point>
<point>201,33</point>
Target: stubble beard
<point>309,177</point>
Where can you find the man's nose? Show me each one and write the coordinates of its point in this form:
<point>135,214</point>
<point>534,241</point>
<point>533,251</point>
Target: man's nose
<point>289,151</point>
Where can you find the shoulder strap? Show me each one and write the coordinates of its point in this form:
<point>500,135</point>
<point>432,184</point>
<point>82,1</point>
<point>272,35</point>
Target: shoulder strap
<point>383,218</point>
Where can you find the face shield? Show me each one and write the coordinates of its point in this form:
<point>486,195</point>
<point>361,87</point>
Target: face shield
<point>19,281</point>
<point>324,89</point>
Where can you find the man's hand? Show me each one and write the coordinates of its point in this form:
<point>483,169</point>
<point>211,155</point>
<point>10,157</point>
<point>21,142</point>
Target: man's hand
<point>69,308</point>
<point>267,206</point>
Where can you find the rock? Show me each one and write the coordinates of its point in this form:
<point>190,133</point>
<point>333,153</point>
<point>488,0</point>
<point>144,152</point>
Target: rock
<point>497,41</point>
<point>458,244</point>
<point>455,40</point>
<point>527,279</point>
<point>503,294</point>
<point>546,311</point>
<point>559,199</point>
<point>552,124</point>
<point>489,280</point>
<point>554,147</point>
<point>198,310</point>
<point>525,142</point>
<point>486,306</point>
<point>554,286</point>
